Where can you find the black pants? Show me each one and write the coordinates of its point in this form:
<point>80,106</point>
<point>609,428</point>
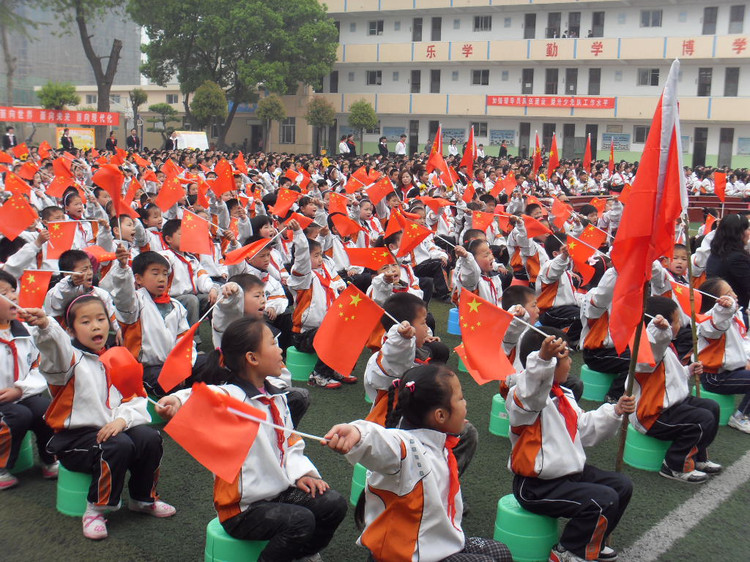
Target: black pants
<point>283,322</point>
<point>606,360</point>
<point>730,382</point>
<point>18,418</point>
<point>434,269</point>
<point>294,523</point>
<point>593,500</point>
<point>138,450</point>
<point>692,426</point>
<point>304,343</point>
<point>567,318</point>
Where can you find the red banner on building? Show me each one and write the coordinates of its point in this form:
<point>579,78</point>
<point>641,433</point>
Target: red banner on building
<point>66,117</point>
<point>577,102</point>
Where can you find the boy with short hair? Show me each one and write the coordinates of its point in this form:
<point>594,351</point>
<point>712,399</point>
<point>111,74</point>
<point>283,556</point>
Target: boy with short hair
<point>556,292</point>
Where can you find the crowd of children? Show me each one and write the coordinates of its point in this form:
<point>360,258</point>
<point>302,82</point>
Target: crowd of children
<point>131,279</point>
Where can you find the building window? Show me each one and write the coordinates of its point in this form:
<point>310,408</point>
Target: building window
<point>396,26</point>
<point>597,24</point>
<point>287,131</point>
<point>351,77</point>
<point>395,76</point>
<point>375,131</point>
<point>91,99</point>
<point>704,82</point>
<point>736,19</point>
<point>435,81</point>
<point>651,18</point>
<point>731,81</point>
<point>416,29</point>
<point>529,26</point>
<point>353,27</point>
<point>640,133</point>
<point>507,22</point>
<point>114,98</point>
<point>527,81</point>
<point>456,23</point>
<point>595,81</point>
<point>374,77</point>
<point>571,81</point>
<point>504,75</point>
<point>710,15</point>
<point>333,82</point>
<point>648,76</point>
<point>550,82</point>
<point>554,20</point>
<point>416,81</point>
<point>480,129</point>
<point>173,98</point>
<point>454,75</point>
<point>375,27</point>
<point>482,23</point>
<point>480,77</point>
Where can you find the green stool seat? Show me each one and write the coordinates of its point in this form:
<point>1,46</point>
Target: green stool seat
<point>499,423</point>
<point>529,537</point>
<point>156,419</point>
<point>595,384</point>
<point>726,404</point>
<point>644,452</point>
<point>300,364</point>
<point>25,458</point>
<point>72,491</point>
<point>220,547</point>
<point>359,481</point>
<point>461,367</point>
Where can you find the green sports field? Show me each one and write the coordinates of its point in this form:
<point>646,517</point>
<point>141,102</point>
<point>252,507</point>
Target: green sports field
<point>31,529</point>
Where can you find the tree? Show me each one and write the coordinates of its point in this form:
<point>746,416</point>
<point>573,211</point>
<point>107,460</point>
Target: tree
<point>209,104</point>
<point>242,46</point>
<point>58,95</point>
<point>320,113</point>
<point>362,116</point>
<point>165,114</point>
<point>270,108</point>
<point>137,97</point>
<point>11,21</point>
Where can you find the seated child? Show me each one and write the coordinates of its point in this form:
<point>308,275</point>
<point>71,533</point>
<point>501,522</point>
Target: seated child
<point>556,294</point>
<point>278,495</point>
<point>23,391</point>
<point>665,408</point>
<point>477,273</point>
<point>413,487</point>
<point>97,431</point>
<point>548,434</point>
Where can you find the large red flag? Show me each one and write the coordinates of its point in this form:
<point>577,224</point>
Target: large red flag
<point>195,237</point>
<point>239,162</point>
<point>483,327</point>
<point>285,198</point>
<point>554,157</point>
<point>179,363</point>
<point>170,168</point>
<point>536,162</point>
<point>21,151</point>
<point>470,154</point>
<point>110,179</point>
<point>481,221</point>
<point>720,185</point>
<point>434,203</point>
<point>411,238</point>
<point>125,371</point>
<point>224,177</point>
<point>345,329</point>
<point>61,235</point>
<point>205,416</point>
<point>16,215</point>
<point>534,228</point>
<point>647,228</point>
<point>377,192</point>
<point>245,252</point>
<point>371,258</point>
<point>16,185</point>
<point>33,288</point>
<point>587,155</point>
<point>345,226</point>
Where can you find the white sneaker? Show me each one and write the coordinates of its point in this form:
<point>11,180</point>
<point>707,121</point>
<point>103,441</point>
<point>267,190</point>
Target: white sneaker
<point>709,467</point>
<point>7,480</point>
<point>739,422</point>
<point>50,471</point>
<point>692,477</point>
<point>560,554</point>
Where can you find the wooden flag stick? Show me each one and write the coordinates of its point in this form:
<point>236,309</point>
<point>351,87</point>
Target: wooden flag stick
<point>693,322</point>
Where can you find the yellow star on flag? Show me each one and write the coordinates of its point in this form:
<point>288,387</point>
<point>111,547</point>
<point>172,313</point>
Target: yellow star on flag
<point>31,279</point>
<point>678,290</point>
<point>572,245</point>
<point>474,305</point>
<point>355,300</point>
<point>55,226</point>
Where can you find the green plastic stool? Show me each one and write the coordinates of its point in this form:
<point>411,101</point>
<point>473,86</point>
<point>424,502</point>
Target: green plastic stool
<point>72,491</point>
<point>644,452</point>
<point>726,404</point>
<point>220,547</point>
<point>359,481</point>
<point>25,458</point>
<point>595,384</point>
<point>300,364</point>
<point>529,537</point>
<point>499,423</point>
<point>156,419</point>
<point>461,367</point>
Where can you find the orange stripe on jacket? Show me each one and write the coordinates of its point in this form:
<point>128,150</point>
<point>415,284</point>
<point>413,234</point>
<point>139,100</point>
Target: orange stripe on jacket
<point>533,267</point>
<point>227,497</point>
<point>712,356</point>
<point>6,440</point>
<point>594,547</point>
<point>105,483</point>
<point>651,401</point>
<point>379,411</point>
<point>61,406</point>
<point>524,453</point>
<point>304,299</point>
<point>132,337</point>
<point>598,330</point>
<point>546,298</point>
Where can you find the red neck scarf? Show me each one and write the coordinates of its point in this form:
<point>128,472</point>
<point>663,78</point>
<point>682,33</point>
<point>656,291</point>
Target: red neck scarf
<point>276,418</point>
<point>567,411</point>
<point>450,442</point>
<point>325,281</point>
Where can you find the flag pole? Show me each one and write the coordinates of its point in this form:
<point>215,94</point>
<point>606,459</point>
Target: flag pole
<point>10,302</point>
<point>693,322</point>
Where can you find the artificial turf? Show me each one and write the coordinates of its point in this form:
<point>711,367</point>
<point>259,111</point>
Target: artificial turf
<point>31,529</point>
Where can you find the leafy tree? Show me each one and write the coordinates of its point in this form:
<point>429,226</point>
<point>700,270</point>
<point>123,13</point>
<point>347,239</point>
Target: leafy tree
<point>270,108</point>
<point>362,116</point>
<point>209,104</point>
<point>320,113</point>
<point>137,97</point>
<point>242,46</point>
<point>58,95</point>
<point>11,21</point>
<point>165,114</point>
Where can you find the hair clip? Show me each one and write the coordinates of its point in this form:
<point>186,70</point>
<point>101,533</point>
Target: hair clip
<point>396,384</point>
<point>410,385</point>
<point>221,357</point>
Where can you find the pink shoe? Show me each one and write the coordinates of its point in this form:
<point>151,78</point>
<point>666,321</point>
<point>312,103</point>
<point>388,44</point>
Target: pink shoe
<point>156,509</point>
<point>7,480</point>
<point>94,526</point>
<point>50,471</point>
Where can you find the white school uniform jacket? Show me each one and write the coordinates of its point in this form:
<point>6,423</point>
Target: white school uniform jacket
<point>541,446</point>
<point>65,291</point>
<point>554,285</point>
<point>722,345</point>
<point>267,470</point>
<point>147,335</point>
<point>379,290</point>
<point>186,275</point>
<point>29,380</point>
<point>470,277</point>
<point>82,395</point>
<point>394,358</point>
<point>596,309</point>
<point>407,493</point>
<point>428,250</point>
<point>525,253</point>
<point>275,295</point>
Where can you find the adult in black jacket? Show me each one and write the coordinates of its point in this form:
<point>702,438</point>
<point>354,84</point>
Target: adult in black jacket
<point>66,142</point>
<point>133,142</point>
<point>383,146</point>
<point>111,143</point>
<point>729,259</point>
<point>9,138</point>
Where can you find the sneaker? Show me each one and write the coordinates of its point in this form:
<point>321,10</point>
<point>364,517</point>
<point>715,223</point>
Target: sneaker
<point>94,525</point>
<point>559,554</point>
<point>607,554</point>
<point>49,471</point>
<point>347,379</point>
<point>7,480</point>
<point>155,509</point>
<point>709,467</point>
<point>692,477</point>
<point>739,422</point>
<point>321,381</point>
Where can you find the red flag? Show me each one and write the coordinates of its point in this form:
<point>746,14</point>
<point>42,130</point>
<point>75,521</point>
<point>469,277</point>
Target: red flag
<point>682,294</point>
<point>469,192</point>
<point>224,177</point>
<point>580,253</point>
<point>302,220</point>
<point>61,235</point>
<point>720,185</point>
<point>133,187</point>
<point>411,238</point>
<point>624,195</point>
<point>534,228</point>
<point>28,170</point>
<point>534,200</point>
<point>125,371</point>
<point>239,163</point>
<point>100,254</point>
<point>351,318</point>
<point>33,288</point>
<point>195,237</point>
<point>587,155</point>
<point>483,328</point>
<point>170,193</point>
<point>611,165</point>
<point>434,203</point>
<point>16,215</point>
<point>470,154</point>
<point>5,158</point>
<point>170,168</point>
<point>202,198</point>
<point>119,157</point>
<point>554,157</point>
<point>21,151</point>
<point>292,174</point>
<point>536,162</point>
<point>16,185</point>
<point>647,228</point>
<point>345,226</point>
<point>44,149</point>
<point>337,204</point>
<point>561,212</point>
<point>179,363</point>
<point>645,353</point>
<point>437,144</point>
<point>58,186</point>
<point>142,162</point>
<point>205,416</point>
<point>363,179</point>
<point>110,179</point>
<point>481,221</point>
<point>599,204</point>
<point>285,198</point>
<point>377,192</point>
<point>710,220</point>
<point>246,252</point>
<point>149,175</point>
<point>371,258</point>
<point>593,236</point>
<point>395,223</point>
